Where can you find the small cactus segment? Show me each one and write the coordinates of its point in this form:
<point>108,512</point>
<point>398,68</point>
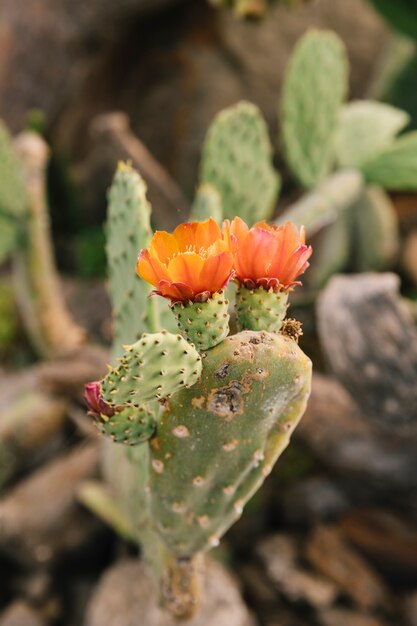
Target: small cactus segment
<point>395,167</point>
<point>216,442</point>
<point>260,309</point>
<point>326,203</point>
<point>130,426</point>
<point>128,230</point>
<point>374,213</point>
<point>13,202</point>
<point>313,92</point>
<point>154,367</point>
<point>365,128</point>
<point>237,161</point>
<point>205,324</point>
<point>207,203</point>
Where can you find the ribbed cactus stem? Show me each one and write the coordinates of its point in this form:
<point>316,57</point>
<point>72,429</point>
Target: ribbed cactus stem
<point>39,297</point>
<point>205,324</point>
<point>260,309</point>
<point>182,584</point>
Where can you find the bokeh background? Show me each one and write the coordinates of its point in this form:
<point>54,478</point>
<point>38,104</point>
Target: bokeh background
<point>331,538</point>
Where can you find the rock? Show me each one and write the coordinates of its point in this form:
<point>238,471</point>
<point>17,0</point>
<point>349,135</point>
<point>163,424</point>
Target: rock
<point>279,555</point>
<point>367,462</point>
<point>20,614</point>
<point>126,596</point>
<point>30,430</point>
<point>40,518</point>
<point>343,617</point>
<point>388,540</point>
<point>370,341</point>
<point>327,551</point>
<point>72,37</point>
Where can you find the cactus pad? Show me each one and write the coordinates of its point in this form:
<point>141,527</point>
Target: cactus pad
<point>313,92</point>
<point>237,161</point>
<point>207,203</point>
<point>128,230</point>
<point>395,167</point>
<point>260,309</point>
<point>154,367</point>
<point>205,324</point>
<point>130,426</point>
<point>365,128</point>
<point>216,442</point>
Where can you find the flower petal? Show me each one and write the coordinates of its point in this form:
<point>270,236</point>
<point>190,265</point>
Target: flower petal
<point>216,272</point>
<point>186,268</point>
<point>163,245</point>
<point>150,268</point>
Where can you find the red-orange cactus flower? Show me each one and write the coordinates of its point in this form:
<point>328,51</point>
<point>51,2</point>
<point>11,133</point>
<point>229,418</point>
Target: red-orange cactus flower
<point>267,256</point>
<point>192,263</point>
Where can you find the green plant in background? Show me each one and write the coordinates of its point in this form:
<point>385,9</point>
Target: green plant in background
<point>13,204</point>
<point>216,411</point>
<point>361,142</point>
<point>237,162</point>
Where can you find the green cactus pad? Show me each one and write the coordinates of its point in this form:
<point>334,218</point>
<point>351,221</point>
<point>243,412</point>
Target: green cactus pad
<point>130,426</point>
<point>205,324</point>
<point>216,442</point>
<point>207,203</point>
<point>260,309</point>
<point>365,128</point>
<point>154,367</point>
<point>395,167</point>
<point>237,161</point>
<point>375,213</point>
<point>313,92</point>
<point>128,231</point>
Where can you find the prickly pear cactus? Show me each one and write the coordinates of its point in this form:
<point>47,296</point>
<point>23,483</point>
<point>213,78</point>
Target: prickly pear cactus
<point>237,161</point>
<point>207,203</point>
<point>313,92</point>
<point>200,418</point>
<point>259,309</point>
<point>128,230</point>
<point>230,427</point>
<point>154,367</point>
<point>204,324</point>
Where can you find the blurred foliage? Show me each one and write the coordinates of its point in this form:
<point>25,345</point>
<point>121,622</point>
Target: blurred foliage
<point>89,252</point>
<point>401,14</point>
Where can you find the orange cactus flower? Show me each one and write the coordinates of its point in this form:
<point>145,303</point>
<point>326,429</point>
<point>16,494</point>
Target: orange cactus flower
<point>267,256</point>
<point>192,263</point>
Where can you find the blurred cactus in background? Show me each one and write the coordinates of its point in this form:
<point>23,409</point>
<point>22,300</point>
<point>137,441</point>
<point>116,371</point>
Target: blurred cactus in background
<point>213,411</point>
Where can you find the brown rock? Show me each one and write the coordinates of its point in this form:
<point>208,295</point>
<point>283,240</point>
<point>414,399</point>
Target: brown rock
<point>126,596</point>
<point>40,518</point>
<point>339,435</point>
<point>329,554</point>
<point>342,617</point>
<point>370,341</point>
<point>20,614</point>
<point>279,555</point>
<point>388,540</point>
